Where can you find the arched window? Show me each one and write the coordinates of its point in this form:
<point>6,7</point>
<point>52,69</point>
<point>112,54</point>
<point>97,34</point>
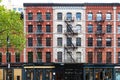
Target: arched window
<point>59,56</point>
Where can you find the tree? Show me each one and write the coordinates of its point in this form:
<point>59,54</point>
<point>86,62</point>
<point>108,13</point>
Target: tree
<point>11,26</point>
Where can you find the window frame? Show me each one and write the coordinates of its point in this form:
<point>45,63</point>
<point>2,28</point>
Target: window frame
<point>59,16</point>
<point>30,16</point>
<point>90,16</point>
<point>90,28</point>
<point>48,57</point>
<point>48,41</point>
<point>78,16</point>
<point>59,28</point>
<point>48,16</point>
<point>59,56</point>
<point>59,41</point>
<point>30,57</point>
<point>78,41</point>
<point>30,28</point>
<point>30,41</point>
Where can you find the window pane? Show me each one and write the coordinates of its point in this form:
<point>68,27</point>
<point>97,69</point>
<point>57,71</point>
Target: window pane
<point>17,56</point>
<point>108,57</point>
<point>99,41</point>
<point>118,16</point>
<point>39,28</point>
<point>30,41</point>
<point>30,28</point>
<point>118,41</point>
<point>30,57</point>
<point>78,41</point>
<point>69,16</point>
<point>108,29</point>
<point>39,16</point>
<point>78,16</point>
<point>59,56</point>
<point>78,28</point>
<point>99,57</point>
<point>48,41</point>
<point>48,56</point>
<point>59,41</point>
<point>118,29</point>
<point>90,41</point>
<point>99,17</point>
<point>69,41</point>
<point>108,42</point>
<point>59,28</point>
<point>108,16</point>
<point>39,41</point>
<point>90,57</point>
<point>90,15</point>
<point>59,16</point>
<point>48,28</point>
<point>48,15</point>
<point>39,56</point>
<point>78,57</point>
<point>90,28</point>
<point>30,16</point>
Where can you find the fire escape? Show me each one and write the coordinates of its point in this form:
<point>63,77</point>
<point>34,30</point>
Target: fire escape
<point>38,33</point>
<point>69,33</point>
<point>99,33</point>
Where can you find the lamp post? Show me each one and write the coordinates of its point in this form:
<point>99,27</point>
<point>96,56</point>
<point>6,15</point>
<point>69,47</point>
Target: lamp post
<point>7,57</point>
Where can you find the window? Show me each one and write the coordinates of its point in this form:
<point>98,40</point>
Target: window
<point>69,57</point>
<point>59,28</point>
<point>108,42</point>
<point>90,16</point>
<point>78,16</point>
<point>30,28</point>
<point>118,42</point>
<point>69,41</point>
<point>108,57</point>
<point>30,16</point>
<point>59,56</point>
<point>30,41</point>
<point>48,56</point>
<point>8,56</point>
<point>118,16</point>
<point>59,16</point>
<point>48,28</point>
<point>19,9</point>
<point>59,41</point>
<point>48,15</point>
<point>39,28</point>
<point>99,17</point>
<point>78,41</point>
<point>14,9</point>
<point>99,57</point>
<point>78,28</point>
<point>99,41</point>
<point>118,57</point>
<point>108,16</point>
<point>119,29</point>
<point>18,77</point>
<point>90,28</point>
<point>30,57</point>
<point>48,41</point>
<point>78,57</point>
<point>39,41</point>
<point>69,28</point>
<point>90,57</point>
<point>69,16</point>
<point>90,41</point>
<point>17,57</point>
<point>0,57</point>
<point>99,28</point>
<point>39,16</point>
<point>109,29</point>
<point>39,56</point>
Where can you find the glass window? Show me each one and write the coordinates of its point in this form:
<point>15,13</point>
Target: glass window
<point>0,57</point>
<point>30,57</point>
<point>90,16</point>
<point>17,57</point>
<point>108,57</point>
<point>90,41</point>
<point>78,57</point>
<point>59,16</point>
<point>119,29</point>
<point>30,16</point>
<point>99,57</point>
<point>78,16</point>
<point>48,28</point>
<point>99,17</point>
<point>109,42</point>
<point>48,41</point>
<point>118,42</point>
<point>78,41</point>
<point>90,57</point>
<point>59,56</point>
<point>99,41</point>
<point>48,56</point>
<point>30,41</point>
<point>109,29</point>
<point>90,28</point>
<point>59,28</point>
<point>99,28</point>
<point>118,57</point>
<point>48,15</point>
<point>118,16</point>
<point>69,57</point>
<point>69,16</point>
<point>39,41</point>
<point>108,16</point>
<point>8,56</point>
<point>39,28</point>
<point>78,28</point>
<point>39,56</point>
<point>30,28</point>
<point>39,16</point>
<point>59,41</point>
<point>69,41</point>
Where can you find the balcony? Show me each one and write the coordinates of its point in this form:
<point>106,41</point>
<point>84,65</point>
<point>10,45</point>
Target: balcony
<point>100,32</point>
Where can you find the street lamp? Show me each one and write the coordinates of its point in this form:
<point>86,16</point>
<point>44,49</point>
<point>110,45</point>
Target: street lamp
<point>7,58</point>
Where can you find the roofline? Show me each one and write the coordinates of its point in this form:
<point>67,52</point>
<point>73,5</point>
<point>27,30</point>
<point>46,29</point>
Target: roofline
<point>70,4</point>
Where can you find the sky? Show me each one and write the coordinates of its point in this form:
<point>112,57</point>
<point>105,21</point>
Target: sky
<point>20,2</point>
